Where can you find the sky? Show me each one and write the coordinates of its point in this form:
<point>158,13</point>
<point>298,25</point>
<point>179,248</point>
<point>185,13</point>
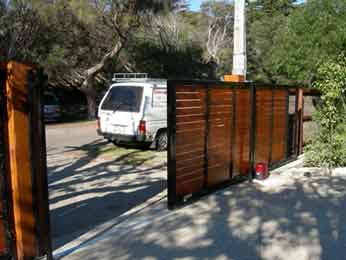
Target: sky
<point>195,4</point>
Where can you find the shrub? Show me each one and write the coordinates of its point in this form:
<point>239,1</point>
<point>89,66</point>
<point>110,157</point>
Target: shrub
<point>328,147</point>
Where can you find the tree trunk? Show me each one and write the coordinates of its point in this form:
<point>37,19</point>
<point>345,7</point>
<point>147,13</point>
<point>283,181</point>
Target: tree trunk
<point>212,69</point>
<point>90,94</point>
<point>92,107</point>
<point>87,86</point>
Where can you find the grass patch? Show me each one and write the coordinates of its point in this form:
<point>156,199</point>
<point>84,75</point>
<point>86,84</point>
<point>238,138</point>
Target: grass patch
<point>133,156</point>
<point>125,155</point>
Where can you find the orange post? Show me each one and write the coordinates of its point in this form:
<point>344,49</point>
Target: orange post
<point>26,163</point>
<point>234,78</point>
<point>19,160</point>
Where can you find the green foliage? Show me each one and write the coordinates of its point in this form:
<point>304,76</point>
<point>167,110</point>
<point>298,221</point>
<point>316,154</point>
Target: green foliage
<point>266,19</point>
<point>287,39</point>
<point>24,36</point>
<point>312,33</point>
<point>328,149</point>
<point>173,63</point>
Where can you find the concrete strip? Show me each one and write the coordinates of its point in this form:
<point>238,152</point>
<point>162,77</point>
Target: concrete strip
<point>339,171</point>
<point>295,164</point>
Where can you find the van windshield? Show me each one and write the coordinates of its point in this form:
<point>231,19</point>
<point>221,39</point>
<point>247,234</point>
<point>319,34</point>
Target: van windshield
<point>123,98</point>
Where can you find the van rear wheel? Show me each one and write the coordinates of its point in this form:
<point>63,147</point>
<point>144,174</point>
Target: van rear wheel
<point>162,141</point>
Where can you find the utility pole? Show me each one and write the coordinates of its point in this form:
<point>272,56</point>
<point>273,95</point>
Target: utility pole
<point>239,45</point>
<point>239,48</point>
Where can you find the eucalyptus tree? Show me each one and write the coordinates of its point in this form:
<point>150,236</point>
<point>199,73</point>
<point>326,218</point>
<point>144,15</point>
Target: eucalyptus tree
<point>315,32</point>
<point>90,35</point>
<point>23,34</point>
<point>265,19</point>
<point>118,19</point>
<point>219,36</point>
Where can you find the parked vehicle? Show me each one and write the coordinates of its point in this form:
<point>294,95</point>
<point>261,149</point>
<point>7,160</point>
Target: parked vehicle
<point>52,109</point>
<point>134,109</point>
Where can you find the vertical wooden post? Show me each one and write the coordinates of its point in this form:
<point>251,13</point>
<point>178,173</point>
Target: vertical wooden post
<point>300,115</point>
<point>6,225</point>
<point>20,165</point>
<point>27,162</point>
<point>252,134</point>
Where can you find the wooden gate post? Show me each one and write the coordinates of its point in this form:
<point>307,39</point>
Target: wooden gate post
<point>26,170</point>
<point>7,250</point>
<point>20,166</point>
<point>300,115</point>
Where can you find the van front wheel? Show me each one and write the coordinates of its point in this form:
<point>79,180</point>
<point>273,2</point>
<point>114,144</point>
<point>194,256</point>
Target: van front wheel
<point>161,141</point>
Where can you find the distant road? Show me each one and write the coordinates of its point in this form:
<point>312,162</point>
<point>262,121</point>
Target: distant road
<point>60,136</point>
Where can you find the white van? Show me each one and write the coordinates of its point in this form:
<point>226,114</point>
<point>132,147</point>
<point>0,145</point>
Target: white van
<point>134,109</point>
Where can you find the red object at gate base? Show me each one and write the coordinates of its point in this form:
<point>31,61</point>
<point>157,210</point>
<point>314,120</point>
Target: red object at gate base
<point>261,171</point>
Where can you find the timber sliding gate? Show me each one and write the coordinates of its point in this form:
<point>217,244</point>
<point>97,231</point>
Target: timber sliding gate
<point>218,131</point>
<point>24,212</point>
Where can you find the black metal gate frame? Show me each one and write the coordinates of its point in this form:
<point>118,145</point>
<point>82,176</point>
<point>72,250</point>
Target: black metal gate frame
<point>36,80</point>
<point>173,200</point>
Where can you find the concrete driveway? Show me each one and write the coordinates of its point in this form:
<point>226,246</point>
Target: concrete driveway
<point>295,214</point>
<point>92,182</point>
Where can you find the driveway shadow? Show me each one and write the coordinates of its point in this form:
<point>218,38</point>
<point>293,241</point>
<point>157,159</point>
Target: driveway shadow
<point>302,220</point>
<point>86,192</point>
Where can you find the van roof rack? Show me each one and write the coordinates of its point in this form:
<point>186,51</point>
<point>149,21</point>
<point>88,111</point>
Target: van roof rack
<point>137,77</point>
<point>129,76</point>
